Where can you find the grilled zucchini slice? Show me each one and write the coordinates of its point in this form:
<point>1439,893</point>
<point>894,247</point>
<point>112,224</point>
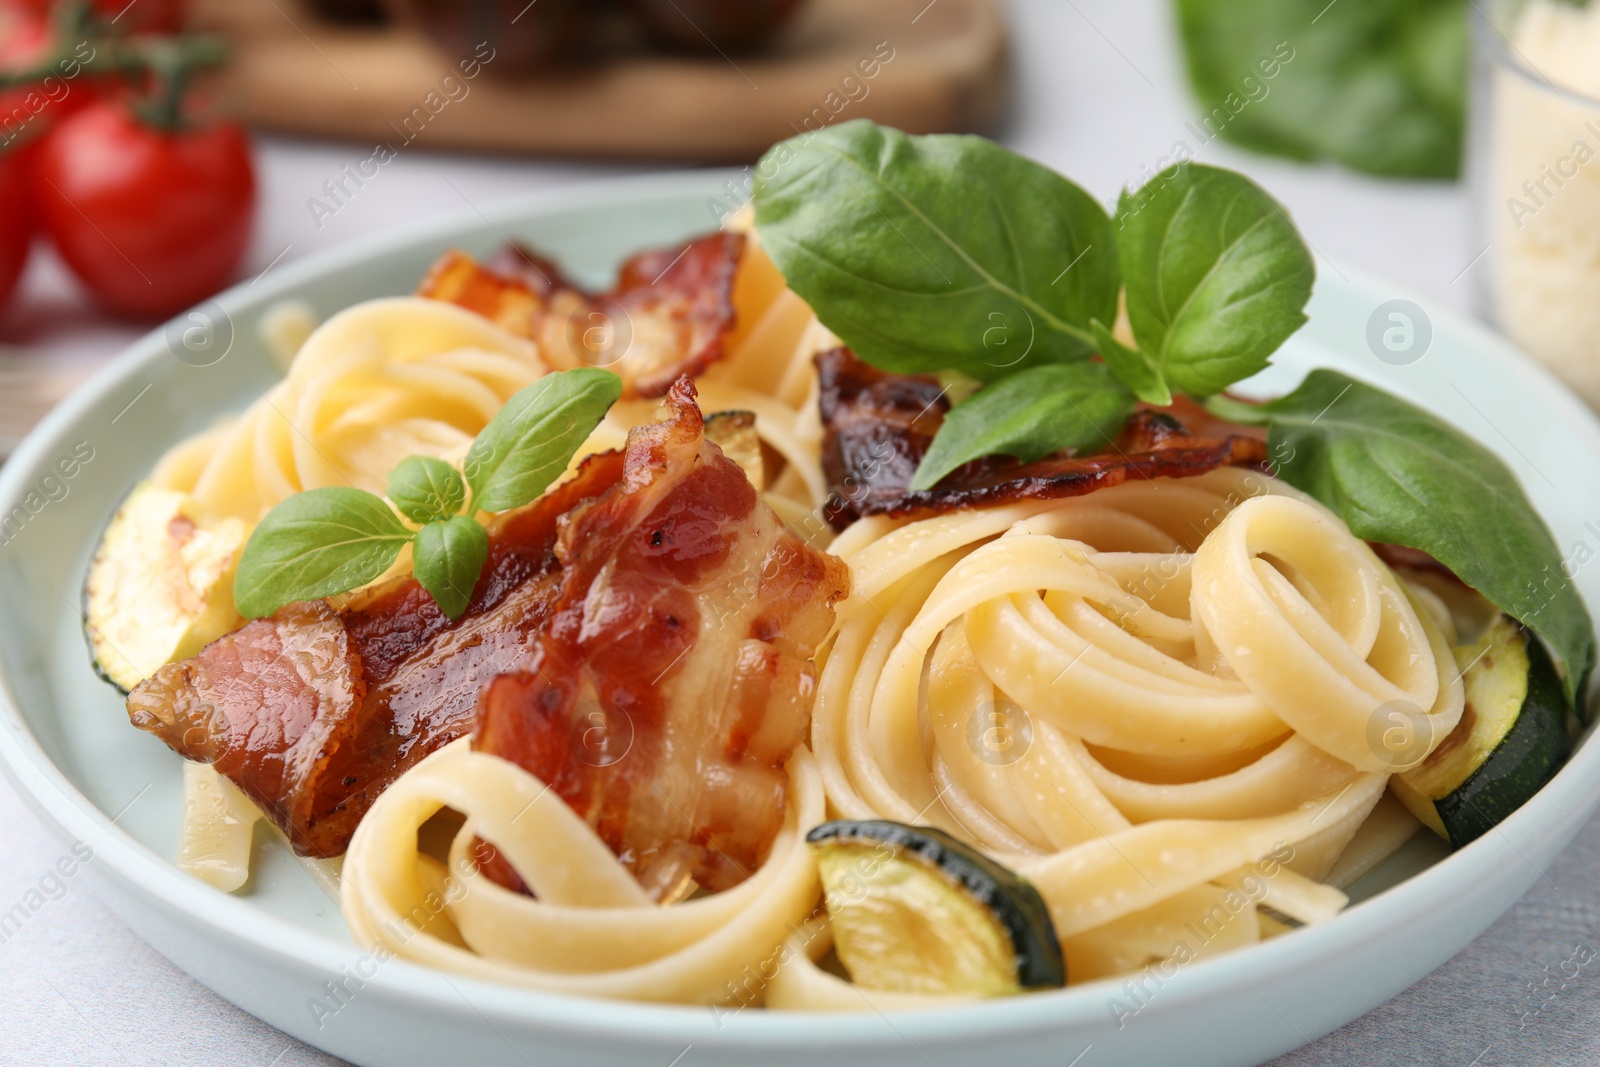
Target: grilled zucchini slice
<point>1511,740</point>
<point>735,433</point>
<point>160,586</point>
<point>914,910</point>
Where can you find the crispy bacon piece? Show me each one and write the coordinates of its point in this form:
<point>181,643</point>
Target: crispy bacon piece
<point>513,288</point>
<point>879,425</point>
<point>523,266</point>
<point>669,314</point>
<point>315,710</point>
<point>674,679</point>
<point>650,622</point>
<point>676,308</point>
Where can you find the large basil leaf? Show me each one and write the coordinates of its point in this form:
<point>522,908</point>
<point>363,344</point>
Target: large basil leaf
<point>1396,474</point>
<point>315,544</point>
<point>937,253</point>
<point>1217,276</point>
<point>1028,415</point>
<point>529,442</point>
<point>1377,85</point>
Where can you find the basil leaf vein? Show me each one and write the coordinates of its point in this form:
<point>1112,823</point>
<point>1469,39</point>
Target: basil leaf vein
<point>1399,475</point>
<point>314,544</point>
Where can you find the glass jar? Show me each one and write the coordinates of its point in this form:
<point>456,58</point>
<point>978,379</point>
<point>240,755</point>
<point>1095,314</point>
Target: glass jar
<point>1535,171</point>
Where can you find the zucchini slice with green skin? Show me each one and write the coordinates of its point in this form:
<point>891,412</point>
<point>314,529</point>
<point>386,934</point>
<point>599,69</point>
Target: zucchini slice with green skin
<point>913,910</point>
<point>735,433</point>
<point>1511,740</point>
<point>160,586</point>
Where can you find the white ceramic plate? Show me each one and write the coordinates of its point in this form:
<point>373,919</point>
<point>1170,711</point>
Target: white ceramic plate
<point>66,742</point>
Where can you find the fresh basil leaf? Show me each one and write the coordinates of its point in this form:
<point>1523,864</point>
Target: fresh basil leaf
<point>1379,86</point>
<point>425,489</point>
<point>1132,367</point>
<point>937,253</point>
<point>447,560</point>
<point>1399,475</point>
<point>1028,415</point>
<point>315,544</point>
<point>1217,276</point>
<point>529,442</point>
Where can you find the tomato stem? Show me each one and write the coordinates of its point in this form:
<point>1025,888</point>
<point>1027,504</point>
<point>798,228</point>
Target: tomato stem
<point>85,42</point>
<point>170,69</point>
<point>125,56</point>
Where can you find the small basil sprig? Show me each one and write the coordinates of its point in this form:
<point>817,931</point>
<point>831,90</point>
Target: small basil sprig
<point>326,541</point>
<point>951,253</point>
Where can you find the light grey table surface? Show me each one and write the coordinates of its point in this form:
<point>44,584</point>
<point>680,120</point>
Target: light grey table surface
<point>1100,95</point>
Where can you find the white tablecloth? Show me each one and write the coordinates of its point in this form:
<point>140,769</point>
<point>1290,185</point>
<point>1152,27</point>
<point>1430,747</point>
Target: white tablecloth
<point>1101,96</point>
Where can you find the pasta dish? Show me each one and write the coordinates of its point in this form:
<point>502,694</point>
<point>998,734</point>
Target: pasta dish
<point>880,602</point>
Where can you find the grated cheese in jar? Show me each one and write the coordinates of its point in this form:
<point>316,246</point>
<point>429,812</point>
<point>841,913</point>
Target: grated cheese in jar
<point>1546,181</point>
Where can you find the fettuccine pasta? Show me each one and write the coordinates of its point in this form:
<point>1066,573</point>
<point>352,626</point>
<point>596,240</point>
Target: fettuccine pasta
<point>1132,698</point>
<point>1173,705</point>
<point>404,376</point>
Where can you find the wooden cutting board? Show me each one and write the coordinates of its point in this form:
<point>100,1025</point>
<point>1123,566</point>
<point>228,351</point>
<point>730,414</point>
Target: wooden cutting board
<point>940,66</point>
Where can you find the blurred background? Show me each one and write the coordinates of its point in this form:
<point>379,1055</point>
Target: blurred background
<point>153,152</point>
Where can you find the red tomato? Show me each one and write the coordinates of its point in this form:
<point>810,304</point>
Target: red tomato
<point>23,33</point>
<point>16,221</point>
<point>150,220</point>
<point>28,111</point>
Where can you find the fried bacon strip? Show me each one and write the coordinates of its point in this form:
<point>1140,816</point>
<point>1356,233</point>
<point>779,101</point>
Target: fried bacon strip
<point>879,425</point>
<point>669,314</point>
<point>512,288</point>
<point>651,623</point>
<point>674,679</point>
<point>315,710</point>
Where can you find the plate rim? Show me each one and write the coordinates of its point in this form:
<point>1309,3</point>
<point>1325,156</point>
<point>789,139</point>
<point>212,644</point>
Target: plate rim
<point>1569,798</point>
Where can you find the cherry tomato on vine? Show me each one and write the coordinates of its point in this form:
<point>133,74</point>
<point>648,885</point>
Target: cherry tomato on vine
<point>16,220</point>
<point>58,80</point>
<point>24,39</point>
<point>152,219</point>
